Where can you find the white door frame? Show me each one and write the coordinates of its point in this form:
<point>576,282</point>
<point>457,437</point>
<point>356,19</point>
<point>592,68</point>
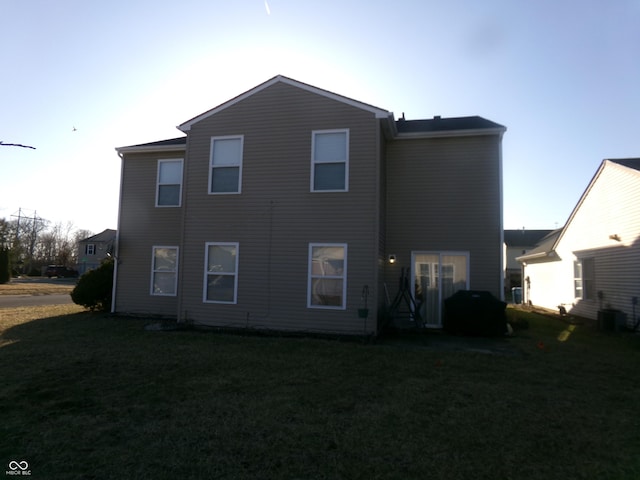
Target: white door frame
<point>440,254</point>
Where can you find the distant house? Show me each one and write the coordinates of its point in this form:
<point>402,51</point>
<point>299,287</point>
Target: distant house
<point>593,263</point>
<point>285,207</point>
<point>518,243</point>
<point>94,249</point>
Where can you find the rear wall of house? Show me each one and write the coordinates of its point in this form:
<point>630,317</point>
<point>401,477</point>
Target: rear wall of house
<point>275,217</point>
<point>444,194</point>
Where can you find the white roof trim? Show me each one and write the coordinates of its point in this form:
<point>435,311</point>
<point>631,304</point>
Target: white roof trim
<point>452,133</point>
<point>378,112</point>
<point>151,148</point>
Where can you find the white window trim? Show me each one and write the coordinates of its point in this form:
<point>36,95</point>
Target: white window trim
<point>310,277</point>
<point>164,160</point>
<point>211,166</point>
<point>154,271</point>
<point>207,273</point>
<point>91,249</point>
<point>313,160</point>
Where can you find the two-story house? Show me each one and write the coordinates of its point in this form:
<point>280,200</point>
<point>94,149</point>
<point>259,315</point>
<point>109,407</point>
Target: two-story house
<point>282,208</point>
<point>94,249</point>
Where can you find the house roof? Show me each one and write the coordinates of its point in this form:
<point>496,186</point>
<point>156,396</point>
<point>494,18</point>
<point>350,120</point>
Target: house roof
<point>544,248</point>
<point>524,238</point>
<point>378,112</point>
<point>633,163</point>
<point>104,236</point>
<point>172,144</point>
<point>435,127</point>
<point>438,126</point>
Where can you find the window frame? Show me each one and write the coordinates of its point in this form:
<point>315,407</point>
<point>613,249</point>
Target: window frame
<point>585,277</point>
<point>212,166</point>
<point>90,249</point>
<point>311,277</point>
<point>158,184</point>
<point>314,162</point>
<point>235,274</point>
<point>154,271</point>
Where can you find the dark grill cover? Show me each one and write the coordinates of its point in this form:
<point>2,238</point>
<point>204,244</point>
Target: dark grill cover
<point>475,313</point>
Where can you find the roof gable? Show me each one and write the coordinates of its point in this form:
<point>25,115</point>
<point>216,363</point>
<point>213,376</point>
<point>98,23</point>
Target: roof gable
<point>549,245</point>
<point>378,112</point>
<point>104,236</point>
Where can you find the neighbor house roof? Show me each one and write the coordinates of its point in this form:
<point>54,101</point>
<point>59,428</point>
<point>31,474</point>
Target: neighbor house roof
<point>544,248</point>
<point>104,236</point>
<point>524,238</point>
<point>633,163</point>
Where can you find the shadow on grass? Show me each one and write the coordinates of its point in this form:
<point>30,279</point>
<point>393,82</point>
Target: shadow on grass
<point>93,396</point>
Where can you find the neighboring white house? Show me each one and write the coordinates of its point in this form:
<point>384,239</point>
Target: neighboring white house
<point>593,262</point>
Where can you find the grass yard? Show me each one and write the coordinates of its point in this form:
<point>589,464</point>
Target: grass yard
<point>88,396</point>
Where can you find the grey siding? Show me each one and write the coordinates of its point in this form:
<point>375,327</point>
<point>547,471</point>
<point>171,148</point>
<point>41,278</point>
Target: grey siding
<point>141,227</point>
<point>444,194</point>
<point>276,216</point>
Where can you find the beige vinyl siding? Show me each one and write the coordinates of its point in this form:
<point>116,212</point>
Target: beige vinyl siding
<point>143,225</point>
<point>276,216</point>
<point>443,194</point>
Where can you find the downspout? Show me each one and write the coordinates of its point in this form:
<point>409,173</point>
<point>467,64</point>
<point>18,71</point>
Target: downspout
<point>116,254</point>
<point>179,317</point>
<point>502,264</point>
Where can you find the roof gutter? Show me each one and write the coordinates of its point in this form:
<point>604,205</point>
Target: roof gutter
<point>151,148</point>
<point>452,133</point>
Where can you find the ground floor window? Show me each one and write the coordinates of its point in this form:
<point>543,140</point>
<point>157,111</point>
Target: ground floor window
<point>221,273</point>
<point>584,278</point>
<point>327,281</point>
<point>164,271</point>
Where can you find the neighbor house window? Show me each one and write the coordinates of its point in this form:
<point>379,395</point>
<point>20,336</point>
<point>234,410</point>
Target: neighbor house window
<point>169,188</point>
<point>90,249</point>
<point>225,172</point>
<point>221,273</point>
<point>584,279</point>
<point>327,281</point>
<point>164,271</point>
<point>330,161</point>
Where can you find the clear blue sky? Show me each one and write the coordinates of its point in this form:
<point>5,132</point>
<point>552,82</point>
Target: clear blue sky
<point>562,76</point>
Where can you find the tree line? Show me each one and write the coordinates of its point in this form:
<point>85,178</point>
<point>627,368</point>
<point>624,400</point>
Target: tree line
<point>31,243</point>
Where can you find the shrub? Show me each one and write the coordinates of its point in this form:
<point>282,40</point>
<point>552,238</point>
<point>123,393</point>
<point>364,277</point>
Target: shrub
<point>94,288</point>
<point>5,271</point>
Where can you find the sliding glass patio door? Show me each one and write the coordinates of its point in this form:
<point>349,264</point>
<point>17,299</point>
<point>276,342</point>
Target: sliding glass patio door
<point>436,276</point>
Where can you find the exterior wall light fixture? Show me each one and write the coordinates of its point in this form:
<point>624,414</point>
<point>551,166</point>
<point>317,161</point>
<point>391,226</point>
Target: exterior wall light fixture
<point>392,258</point>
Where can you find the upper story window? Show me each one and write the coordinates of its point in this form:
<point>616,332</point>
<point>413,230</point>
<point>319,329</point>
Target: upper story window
<point>225,172</point>
<point>330,161</point>
<point>169,185</point>
<point>90,249</point>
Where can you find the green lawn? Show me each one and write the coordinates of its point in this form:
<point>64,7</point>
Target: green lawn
<point>88,396</point>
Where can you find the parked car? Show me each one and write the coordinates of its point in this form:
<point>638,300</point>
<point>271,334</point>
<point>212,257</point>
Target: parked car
<point>60,271</point>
